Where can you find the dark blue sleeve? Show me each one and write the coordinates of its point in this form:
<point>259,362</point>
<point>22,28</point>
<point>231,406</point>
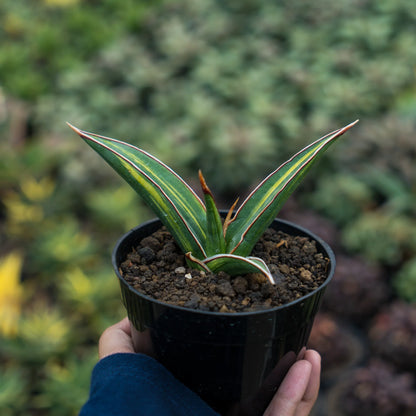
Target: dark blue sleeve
<point>137,385</point>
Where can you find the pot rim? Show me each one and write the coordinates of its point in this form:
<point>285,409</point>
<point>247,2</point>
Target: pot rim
<point>325,248</point>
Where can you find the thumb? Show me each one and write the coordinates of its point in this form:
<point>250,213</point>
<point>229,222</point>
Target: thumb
<point>115,339</point>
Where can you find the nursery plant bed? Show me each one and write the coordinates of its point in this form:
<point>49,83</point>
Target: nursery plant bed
<point>234,347</point>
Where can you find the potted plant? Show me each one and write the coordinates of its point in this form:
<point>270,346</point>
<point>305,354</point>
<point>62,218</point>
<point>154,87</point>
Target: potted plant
<point>233,360</point>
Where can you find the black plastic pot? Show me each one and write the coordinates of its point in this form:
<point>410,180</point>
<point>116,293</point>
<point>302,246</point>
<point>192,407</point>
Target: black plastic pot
<point>234,361</point>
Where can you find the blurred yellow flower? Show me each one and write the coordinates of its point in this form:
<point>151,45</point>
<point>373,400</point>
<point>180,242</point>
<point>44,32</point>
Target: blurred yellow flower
<point>11,292</point>
<point>37,190</point>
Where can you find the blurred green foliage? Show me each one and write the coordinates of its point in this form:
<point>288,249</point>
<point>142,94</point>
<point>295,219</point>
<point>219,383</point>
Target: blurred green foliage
<point>405,281</point>
<point>40,39</point>
<point>237,87</point>
<point>13,390</point>
<point>382,237</point>
<point>230,87</point>
<point>65,387</point>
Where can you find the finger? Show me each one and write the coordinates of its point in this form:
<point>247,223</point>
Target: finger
<point>290,393</point>
<point>312,390</point>
<point>124,325</point>
<point>115,339</point>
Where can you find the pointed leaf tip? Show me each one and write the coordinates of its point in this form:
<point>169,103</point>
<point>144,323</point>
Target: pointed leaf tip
<point>78,131</point>
<point>348,126</point>
<point>204,186</point>
<point>72,127</point>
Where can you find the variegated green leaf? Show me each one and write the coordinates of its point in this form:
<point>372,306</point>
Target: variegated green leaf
<point>170,198</point>
<point>261,207</point>
<point>234,265</point>
<point>215,241</point>
<point>231,264</point>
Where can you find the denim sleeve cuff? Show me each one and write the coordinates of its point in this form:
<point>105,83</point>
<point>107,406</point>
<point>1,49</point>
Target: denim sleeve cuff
<point>135,384</point>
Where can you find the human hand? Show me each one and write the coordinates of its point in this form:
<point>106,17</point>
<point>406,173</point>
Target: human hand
<point>299,389</point>
<point>295,397</point>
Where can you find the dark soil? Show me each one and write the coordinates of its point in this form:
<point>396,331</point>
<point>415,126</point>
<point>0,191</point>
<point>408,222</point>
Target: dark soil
<point>157,268</point>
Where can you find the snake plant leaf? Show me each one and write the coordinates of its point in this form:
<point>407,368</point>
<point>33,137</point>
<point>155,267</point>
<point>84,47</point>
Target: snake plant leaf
<point>235,265</point>
<point>261,207</point>
<point>215,241</point>
<point>170,198</point>
<point>231,264</point>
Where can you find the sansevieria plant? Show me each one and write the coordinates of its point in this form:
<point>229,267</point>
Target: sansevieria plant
<point>208,242</point>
